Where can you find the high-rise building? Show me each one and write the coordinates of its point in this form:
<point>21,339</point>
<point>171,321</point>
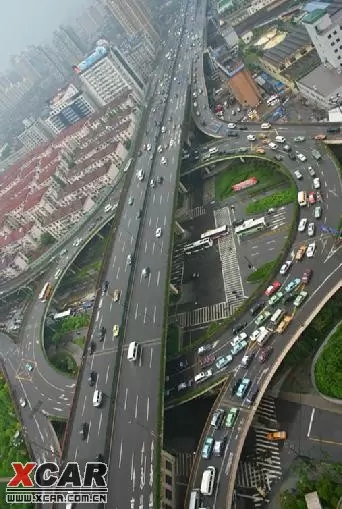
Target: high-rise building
<point>46,63</point>
<point>35,134</point>
<point>106,73</point>
<point>66,108</point>
<point>67,49</point>
<point>324,27</point>
<point>134,17</point>
<point>139,53</point>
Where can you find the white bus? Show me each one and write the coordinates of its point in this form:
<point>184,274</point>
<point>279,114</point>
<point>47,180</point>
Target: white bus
<point>251,226</point>
<point>215,234</point>
<point>197,246</point>
<point>63,314</point>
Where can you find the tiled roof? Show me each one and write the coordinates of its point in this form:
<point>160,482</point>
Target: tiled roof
<point>48,172</point>
<point>91,160</point>
<point>33,199</point>
<point>63,212</point>
<point>14,203</point>
<point>87,179</point>
<point>15,235</point>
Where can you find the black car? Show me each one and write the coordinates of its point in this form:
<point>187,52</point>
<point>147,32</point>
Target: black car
<point>239,327</point>
<point>84,430</point>
<point>243,128</point>
<point>102,333</point>
<point>292,156</point>
<point>99,457</point>
<point>160,180</point>
<point>232,134</point>
<point>139,214</point>
<point>256,308</point>
<point>333,129</point>
<point>238,222</point>
<point>105,287</point>
<point>289,298</point>
<point>92,378</point>
<point>92,347</point>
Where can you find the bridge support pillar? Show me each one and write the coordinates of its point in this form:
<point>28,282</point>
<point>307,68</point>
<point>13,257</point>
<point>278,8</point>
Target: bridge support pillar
<point>179,228</point>
<point>182,188</point>
<point>173,289</point>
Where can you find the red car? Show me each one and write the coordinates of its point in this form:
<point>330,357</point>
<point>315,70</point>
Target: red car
<point>272,289</point>
<point>307,276</point>
<point>312,197</point>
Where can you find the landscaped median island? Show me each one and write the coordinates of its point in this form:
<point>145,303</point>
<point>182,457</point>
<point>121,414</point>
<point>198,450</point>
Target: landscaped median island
<point>12,444</point>
<point>266,173</point>
<point>261,273</point>
<point>275,200</point>
<point>328,367</point>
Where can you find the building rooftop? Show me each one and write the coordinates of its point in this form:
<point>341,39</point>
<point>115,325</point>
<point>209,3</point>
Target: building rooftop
<point>322,80</point>
<point>63,212</point>
<point>314,16</point>
<point>293,42</point>
<point>15,235</point>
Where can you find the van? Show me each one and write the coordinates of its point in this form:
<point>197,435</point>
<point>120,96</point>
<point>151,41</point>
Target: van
<point>302,199</point>
<point>141,175</point>
<point>317,155</point>
<point>195,499</point>
<point>97,398</point>
<point>280,139</point>
<point>265,125</point>
<point>252,394</point>
<point>277,316</point>
<point>108,207</point>
<point>213,150</point>
<point>133,351</point>
<point>208,481</point>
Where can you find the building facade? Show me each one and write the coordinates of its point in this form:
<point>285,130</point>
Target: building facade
<point>105,74</point>
<point>67,108</point>
<point>34,135</point>
<point>134,17</point>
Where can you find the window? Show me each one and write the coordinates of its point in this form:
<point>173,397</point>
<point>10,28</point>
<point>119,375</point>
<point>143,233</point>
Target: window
<point>168,494</point>
<point>168,465</point>
<point>168,480</point>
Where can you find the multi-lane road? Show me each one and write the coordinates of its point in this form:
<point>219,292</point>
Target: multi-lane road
<point>139,313</point>
<point>137,268</point>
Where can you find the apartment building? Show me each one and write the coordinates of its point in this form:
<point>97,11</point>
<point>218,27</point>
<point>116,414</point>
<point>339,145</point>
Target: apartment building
<point>105,74</point>
<point>64,218</point>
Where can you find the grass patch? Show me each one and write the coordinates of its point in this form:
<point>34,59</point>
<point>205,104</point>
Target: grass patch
<point>261,273</point>
<point>274,200</point>
<point>80,341</point>
<point>64,362</point>
<point>265,171</point>
<point>316,332</point>
<point>12,446</point>
<point>328,373</point>
<point>172,340</point>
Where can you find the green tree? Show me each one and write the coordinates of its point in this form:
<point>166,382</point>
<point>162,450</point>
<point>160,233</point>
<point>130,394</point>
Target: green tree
<point>46,239</point>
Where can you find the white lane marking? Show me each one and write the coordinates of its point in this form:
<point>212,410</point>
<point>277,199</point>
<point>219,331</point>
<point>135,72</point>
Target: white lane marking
<point>136,311</point>
<point>120,455</point>
<point>168,196</point>
<point>88,432</point>
<point>162,246</point>
<point>123,247</point>
<point>107,374</point>
<point>84,403</point>
<point>160,199</point>
<point>136,407</point>
<point>146,246</point>
<point>118,272</point>
<point>154,314</point>
<point>151,357</point>
<point>311,420</point>
<point>100,422</point>
<point>147,408</point>
<point>165,221</point>
<point>114,260</point>
<point>129,222</point>
<point>125,404</point>
<point>153,247</point>
<point>145,314</point>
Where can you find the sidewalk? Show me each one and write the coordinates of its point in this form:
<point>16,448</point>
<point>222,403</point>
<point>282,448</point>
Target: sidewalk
<point>313,400</point>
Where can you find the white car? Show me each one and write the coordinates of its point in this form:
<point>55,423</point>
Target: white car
<point>22,402</point>
<point>171,143</point>
<point>302,224</point>
<point>298,175</point>
<point>285,267</point>
<point>301,157</point>
<point>163,160</point>
<point>311,229</point>
<point>316,183</point>
<point>237,339</point>
<point>149,147</point>
<point>251,137</point>
<point>160,149</point>
<point>254,336</point>
<point>158,232</point>
<point>77,242</point>
<point>273,146</point>
<point>163,129</point>
<point>265,125</point>
<point>231,125</point>
<point>311,250</point>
